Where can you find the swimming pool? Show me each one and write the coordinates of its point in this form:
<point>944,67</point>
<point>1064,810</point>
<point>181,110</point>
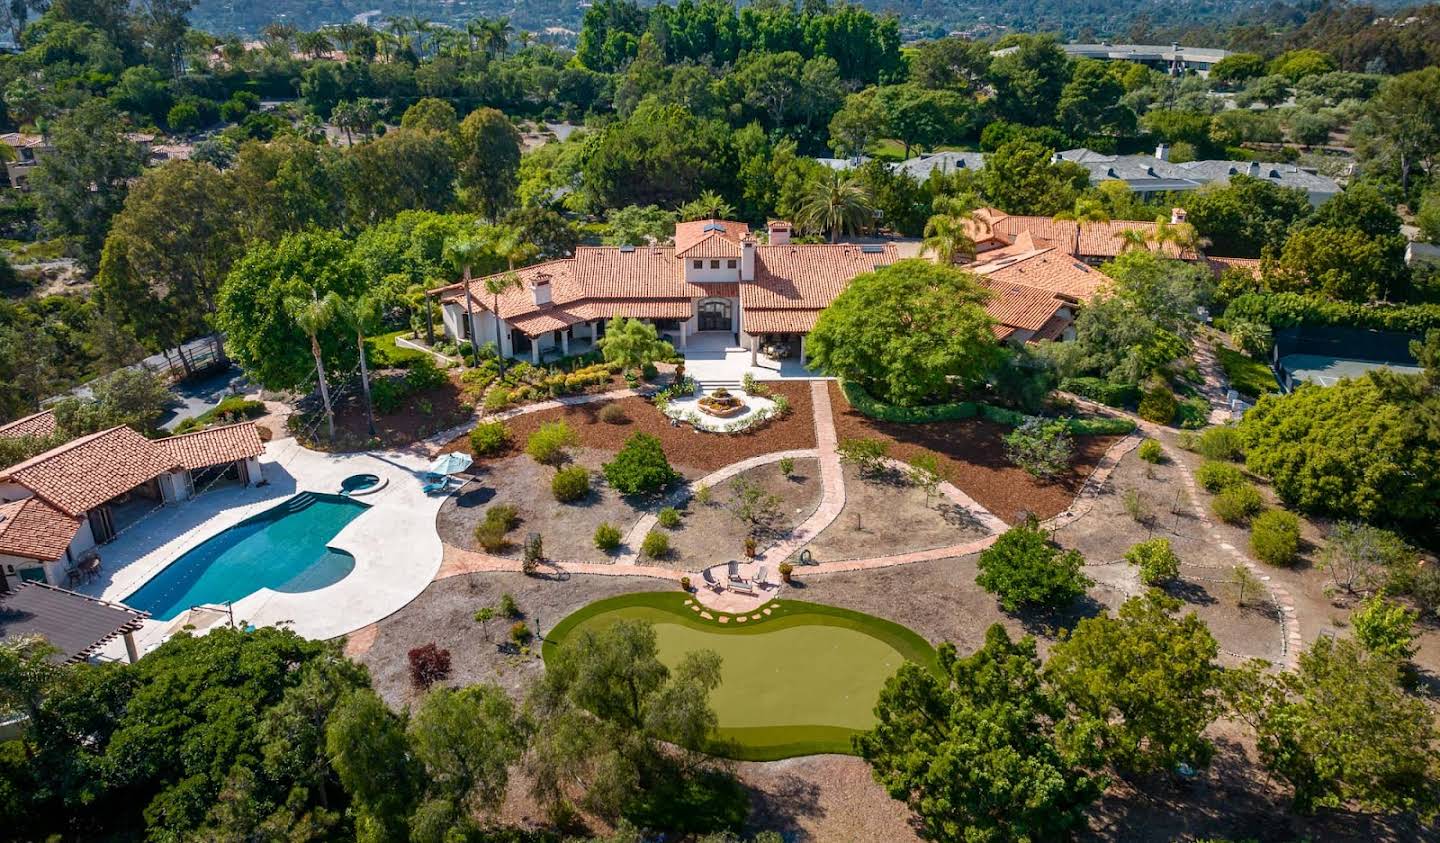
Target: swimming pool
<point>283,548</point>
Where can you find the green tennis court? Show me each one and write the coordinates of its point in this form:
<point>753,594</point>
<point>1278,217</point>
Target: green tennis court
<point>799,681</point>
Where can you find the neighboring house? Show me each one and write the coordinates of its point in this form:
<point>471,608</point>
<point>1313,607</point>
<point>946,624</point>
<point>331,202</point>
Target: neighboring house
<point>1172,59</point>
<point>718,279</point>
<point>946,163</point>
<point>28,150</point>
<point>1151,175</point>
<point>38,424</point>
<point>1092,242</point>
<point>56,507</point>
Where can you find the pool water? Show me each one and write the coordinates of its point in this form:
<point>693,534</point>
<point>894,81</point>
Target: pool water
<point>283,548</point>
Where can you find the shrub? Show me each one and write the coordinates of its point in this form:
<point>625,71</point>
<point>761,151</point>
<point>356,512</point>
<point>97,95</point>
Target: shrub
<point>704,495</point>
<point>520,633</point>
<point>1042,447</point>
<point>1151,451</point>
<point>1386,628</point>
<point>613,414</point>
<point>1192,414</point>
<point>428,664</point>
<point>551,443</point>
<point>1237,504</point>
<point>1138,507</point>
<point>1220,443</point>
<point>655,545</point>
<point>669,518</point>
<point>1275,537</point>
<point>497,399</point>
<point>509,608</point>
<point>1159,404</point>
<point>868,455</point>
<point>570,484</point>
<point>489,438</point>
<point>787,466</point>
<point>1023,569</point>
<point>424,374</point>
<point>640,467</point>
<point>1097,389</point>
<point>1157,560</point>
<point>491,536</point>
<point>1215,476</point>
<point>504,514</point>
<point>607,536</point>
<point>649,372</point>
<point>387,394</point>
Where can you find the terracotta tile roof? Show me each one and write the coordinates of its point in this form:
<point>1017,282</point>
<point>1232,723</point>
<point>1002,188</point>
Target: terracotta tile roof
<point>1019,306</point>
<point>1045,269</point>
<point>689,234</point>
<point>21,140</point>
<point>808,276</point>
<point>88,471</point>
<point>713,245</point>
<point>37,424</point>
<point>779,321</point>
<point>1054,329</point>
<point>1103,239</point>
<point>1063,233</point>
<point>1085,239</point>
<point>34,529</point>
<point>75,624</point>
<point>214,446</point>
<point>1217,265</point>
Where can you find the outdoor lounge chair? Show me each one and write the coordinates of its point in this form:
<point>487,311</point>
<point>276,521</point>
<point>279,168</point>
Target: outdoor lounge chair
<point>436,486</point>
<point>760,577</point>
<point>734,575</point>
<point>711,582</point>
<point>742,586</point>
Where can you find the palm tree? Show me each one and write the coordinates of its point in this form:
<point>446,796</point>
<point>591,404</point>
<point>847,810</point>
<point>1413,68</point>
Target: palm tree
<point>708,205</point>
<point>495,285</point>
<point>497,37</point>
<point>834,202</point>
<point>361,315</point>
<point>313,44</point>
<point>345,115</point>
<point>1132,239</point>
<point>463,255</point>
<point>312,316</point>
<point>1182,234</point>
<point>947,238</point>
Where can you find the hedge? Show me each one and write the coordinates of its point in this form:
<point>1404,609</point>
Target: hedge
<point>869,406</point>
<point>1099,389</point>
<point>1284,310</point>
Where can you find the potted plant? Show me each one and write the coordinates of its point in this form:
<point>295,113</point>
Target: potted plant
<point>684,583</point>
<point>751,545</point>
<point>786,569</point>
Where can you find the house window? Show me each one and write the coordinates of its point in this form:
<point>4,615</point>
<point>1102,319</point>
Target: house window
<point>714,264</point>
<point>730,264</point>
<point>699,264</point>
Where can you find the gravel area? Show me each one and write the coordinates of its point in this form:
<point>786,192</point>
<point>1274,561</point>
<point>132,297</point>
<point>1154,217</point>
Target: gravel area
<point>1108,530</point>
<point>691,452</point>
<point>568,529</point>
<point>823,798</point>
<point>973,455</point>
<point>444,614</point>
<point>887,516</point>
<point>709,534</point>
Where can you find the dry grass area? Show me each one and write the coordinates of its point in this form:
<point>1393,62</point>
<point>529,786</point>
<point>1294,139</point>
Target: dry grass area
<point>887,515</point>
<point>709,533</point>
<point>972,453</point>
<point>694,453</point>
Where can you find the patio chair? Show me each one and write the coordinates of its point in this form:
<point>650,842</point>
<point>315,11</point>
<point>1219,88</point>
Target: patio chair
<point>734,574</point>
<point>760,577</point>
<point>441,485</point>
<point>711,582</point>
<point>742,587</point>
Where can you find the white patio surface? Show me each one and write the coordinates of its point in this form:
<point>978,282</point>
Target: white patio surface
<point>715,357</point>
<point>397,551</point>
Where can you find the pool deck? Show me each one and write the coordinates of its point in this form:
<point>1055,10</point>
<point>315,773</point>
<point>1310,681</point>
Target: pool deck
<point>397,551</point>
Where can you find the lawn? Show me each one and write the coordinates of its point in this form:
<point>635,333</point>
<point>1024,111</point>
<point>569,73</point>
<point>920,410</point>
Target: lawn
<point>1247,375</point>
<point>799,681</point>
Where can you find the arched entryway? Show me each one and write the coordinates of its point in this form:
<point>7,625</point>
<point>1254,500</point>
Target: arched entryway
<point>716,315</point>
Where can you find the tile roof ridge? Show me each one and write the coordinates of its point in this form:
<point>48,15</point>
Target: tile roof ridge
<point>216,429</point>
<point>60,449</point>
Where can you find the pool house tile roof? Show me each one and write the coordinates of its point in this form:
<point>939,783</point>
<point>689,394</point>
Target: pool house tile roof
<point>89,471</point>
<point>75,624</point>
<point>214,446</point>
<point>34,529</point>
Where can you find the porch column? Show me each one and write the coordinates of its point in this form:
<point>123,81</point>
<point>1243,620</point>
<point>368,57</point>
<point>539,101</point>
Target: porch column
<point>565,343</point>
<point>802,349</point>
<point>754,349</point>
<point>682,334</point>
<point>535,350</point>
<point>131,652</point>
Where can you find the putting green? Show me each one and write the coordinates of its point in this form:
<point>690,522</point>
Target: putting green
<point>799,681</point>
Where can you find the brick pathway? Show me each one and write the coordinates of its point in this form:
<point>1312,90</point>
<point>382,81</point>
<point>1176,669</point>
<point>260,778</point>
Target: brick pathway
<point>832,482</point>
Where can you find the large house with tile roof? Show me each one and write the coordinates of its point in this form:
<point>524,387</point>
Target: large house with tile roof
<point>718,278</point>
<point>57,506</point>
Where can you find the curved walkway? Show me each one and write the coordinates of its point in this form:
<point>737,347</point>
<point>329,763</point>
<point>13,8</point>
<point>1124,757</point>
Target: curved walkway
<point>1290,640</point>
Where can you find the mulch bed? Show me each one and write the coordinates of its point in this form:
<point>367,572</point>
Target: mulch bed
<point>973,455</point>
<point>406,426</point>
<point>701,453</point>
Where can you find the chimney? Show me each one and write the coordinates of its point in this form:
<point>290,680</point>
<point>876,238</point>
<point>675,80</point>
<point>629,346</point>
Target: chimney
<point>540,286</point>
<point>779,231</point>
<point>747,253</point>
<point>1177,216</point>
<point>1253,169</point>
<point>1162,152</point>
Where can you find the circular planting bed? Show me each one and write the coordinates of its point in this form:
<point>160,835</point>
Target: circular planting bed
<point>721,413</point>
<point>800,680</point>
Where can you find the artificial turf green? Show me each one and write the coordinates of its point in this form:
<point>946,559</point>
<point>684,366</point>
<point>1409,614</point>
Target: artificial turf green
<point>799,681</point>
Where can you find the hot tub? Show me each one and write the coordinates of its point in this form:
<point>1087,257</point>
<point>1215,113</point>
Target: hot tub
<point>361,484</point>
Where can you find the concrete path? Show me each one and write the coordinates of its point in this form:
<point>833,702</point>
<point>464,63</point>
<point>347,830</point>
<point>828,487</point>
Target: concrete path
<point>832,483</point>
<point>1215,384</point>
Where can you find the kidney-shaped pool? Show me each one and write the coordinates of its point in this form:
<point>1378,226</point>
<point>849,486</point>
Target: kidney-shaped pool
<point>285,548</point>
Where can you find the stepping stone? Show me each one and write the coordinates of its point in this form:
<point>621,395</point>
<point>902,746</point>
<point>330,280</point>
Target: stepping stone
<point>688,602</point>
<point>767,611</point>
<point>741,619</point>
<point>754,617</point>
<point>724,619</point>
<point>707,616</point>
<point>693,607</point>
